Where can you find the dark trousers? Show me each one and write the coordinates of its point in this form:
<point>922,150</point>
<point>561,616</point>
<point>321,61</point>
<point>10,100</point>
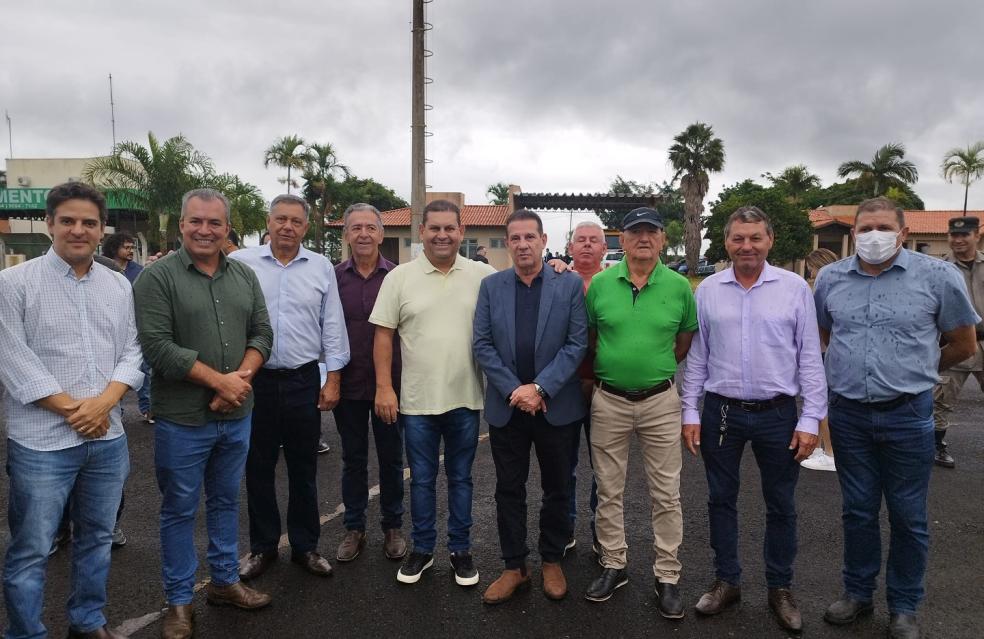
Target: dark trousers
<point>353,417</point>
<point>286,412</point>
<point>511,453</point>
<point>769,432</point>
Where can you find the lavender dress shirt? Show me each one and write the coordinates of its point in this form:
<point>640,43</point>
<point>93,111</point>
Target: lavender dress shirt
<point>756,344</point>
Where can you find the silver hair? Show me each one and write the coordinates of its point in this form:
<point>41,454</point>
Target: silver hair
<point>361,206</point>
<point>586,224</point>
<point>206,195</point>
<point>749,214</point>
<point>287,198</point>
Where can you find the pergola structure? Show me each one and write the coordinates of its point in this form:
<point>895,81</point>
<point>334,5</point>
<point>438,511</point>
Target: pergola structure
<point>584,201</point>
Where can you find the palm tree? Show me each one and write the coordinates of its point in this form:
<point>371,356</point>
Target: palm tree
<point>287,153</point>
<point>498,193</point>
<point>795,181</point>
<point>153,177</point>
<point>246,204</point>
<point>694,154</point>
<point>966,164</point>
<point>888,167</point>
<point>319,174</point>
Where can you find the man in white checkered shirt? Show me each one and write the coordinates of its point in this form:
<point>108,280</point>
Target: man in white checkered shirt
<point>70,352</point>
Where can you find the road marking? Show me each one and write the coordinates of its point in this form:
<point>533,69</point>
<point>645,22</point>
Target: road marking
<point>136,624</point>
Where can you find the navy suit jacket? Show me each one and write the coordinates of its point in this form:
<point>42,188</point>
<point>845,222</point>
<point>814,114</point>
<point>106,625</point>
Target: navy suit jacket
<point>561,342</point>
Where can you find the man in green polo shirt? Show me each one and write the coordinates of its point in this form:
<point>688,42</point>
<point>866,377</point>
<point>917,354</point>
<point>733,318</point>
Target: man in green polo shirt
<point>643,318</point>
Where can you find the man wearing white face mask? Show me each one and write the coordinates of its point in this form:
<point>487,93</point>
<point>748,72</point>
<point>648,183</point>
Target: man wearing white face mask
<point>882,313</point>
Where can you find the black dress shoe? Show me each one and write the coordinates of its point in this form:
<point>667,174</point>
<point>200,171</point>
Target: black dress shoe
<point>845,610</point>
<point>902,626</point>
<point>313,563</point>
<point>670,603</point>
<point>255,564</point>
<point>602,588</point>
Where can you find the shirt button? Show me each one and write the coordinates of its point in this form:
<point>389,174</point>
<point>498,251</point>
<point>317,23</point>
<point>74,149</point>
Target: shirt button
<point>216,301</point>
<point>227,343</point>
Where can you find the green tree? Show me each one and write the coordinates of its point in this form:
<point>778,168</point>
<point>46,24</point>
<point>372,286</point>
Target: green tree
<point>854,191</point>
<point>153,177</point>
<point>694,154</point>
<point>887,168</point>
<point>795,181</point>
<point>791,224</point>
<point>965,164</point>
<point>344,193</point>
<point>246,204</point>
<point>289,153</point>
<point>319,175</point>
<point>498,193</point>
<point>674,236</point>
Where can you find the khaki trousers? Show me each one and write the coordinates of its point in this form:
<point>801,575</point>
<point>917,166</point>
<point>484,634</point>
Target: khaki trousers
<point>656,423</point>
<point>946,392</point>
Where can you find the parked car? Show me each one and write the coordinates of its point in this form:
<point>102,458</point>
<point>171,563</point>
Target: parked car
<point>703,268</point>
<point>612,258</point>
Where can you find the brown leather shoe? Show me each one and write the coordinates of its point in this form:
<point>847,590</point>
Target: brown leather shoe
<point>255,564</point>
<point>510,581</point>
<point>784,605</point>
<point>313,563</point>
<point>394,545</point>
<point>352,544</point>
<point>720,596</point>
<point>179,622</point>
<point>98,633</point>
<point>236,595</point>
<point>554,582</point>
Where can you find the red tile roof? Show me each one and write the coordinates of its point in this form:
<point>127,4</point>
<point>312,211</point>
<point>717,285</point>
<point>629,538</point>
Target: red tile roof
<point>471,215</point>
<point>923,222</point>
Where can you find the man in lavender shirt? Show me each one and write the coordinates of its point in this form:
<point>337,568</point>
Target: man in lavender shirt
<point>757,348</point>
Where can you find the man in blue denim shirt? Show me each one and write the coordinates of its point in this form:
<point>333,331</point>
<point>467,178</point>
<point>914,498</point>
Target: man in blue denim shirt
<point>882,313</point>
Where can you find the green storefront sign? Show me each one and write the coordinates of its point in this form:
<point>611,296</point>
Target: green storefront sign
<point>34,199</point>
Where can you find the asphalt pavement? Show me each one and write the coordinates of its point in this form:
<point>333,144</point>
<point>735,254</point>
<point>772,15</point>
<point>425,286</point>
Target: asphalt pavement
<point>363,598</point>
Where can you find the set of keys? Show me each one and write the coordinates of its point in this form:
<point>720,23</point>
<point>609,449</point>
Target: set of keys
<point>723,428</point>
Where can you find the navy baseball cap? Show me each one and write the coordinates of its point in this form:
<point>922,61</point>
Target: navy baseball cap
<point>642,215</point>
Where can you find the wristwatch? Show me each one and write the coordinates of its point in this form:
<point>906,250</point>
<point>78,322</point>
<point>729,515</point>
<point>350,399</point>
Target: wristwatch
<point>539,390</point>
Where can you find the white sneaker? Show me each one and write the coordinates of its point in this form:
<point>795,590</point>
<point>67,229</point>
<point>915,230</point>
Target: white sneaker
<point>819,460</point>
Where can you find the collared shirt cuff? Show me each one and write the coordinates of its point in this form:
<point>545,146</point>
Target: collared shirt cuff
<point>808,425</point>
<point>261,346</point>
<point>132,377</point>
<point>335,364</point>
<point>36,389</point>
<point>691,416</point>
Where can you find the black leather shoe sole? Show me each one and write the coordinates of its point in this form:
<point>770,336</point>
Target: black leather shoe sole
<point>606,595</point>
<point>864,609</point>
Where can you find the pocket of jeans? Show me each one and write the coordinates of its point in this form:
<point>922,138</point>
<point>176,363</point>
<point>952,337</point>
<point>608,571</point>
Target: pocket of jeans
<point>920,406</point>
<point>785,411</point>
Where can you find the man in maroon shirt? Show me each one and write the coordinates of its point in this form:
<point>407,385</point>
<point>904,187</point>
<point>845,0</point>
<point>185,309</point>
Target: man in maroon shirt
<point>359,279</point>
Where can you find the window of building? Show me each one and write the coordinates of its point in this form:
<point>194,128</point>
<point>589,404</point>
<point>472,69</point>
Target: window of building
<point>468,247</point>
<point>497,243</point>
<point>406,242</point>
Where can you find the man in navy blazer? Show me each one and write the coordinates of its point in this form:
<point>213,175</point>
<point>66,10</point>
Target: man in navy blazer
<point>530,335</point>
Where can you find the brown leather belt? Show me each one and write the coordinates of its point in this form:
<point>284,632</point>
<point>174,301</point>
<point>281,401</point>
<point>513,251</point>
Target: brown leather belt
<point>636,395</point>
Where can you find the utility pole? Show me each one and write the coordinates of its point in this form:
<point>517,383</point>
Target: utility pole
<point>112,110</point>
<point>10,135</point>
<point>418,179</point>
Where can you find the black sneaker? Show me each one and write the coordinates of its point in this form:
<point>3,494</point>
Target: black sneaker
<point>119,537</point>
<point>602,588</point>
<point>668,598</point>
<point>464,569</point>
<point>414,566</point>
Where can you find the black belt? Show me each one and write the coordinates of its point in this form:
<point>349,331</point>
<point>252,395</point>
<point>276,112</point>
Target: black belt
<point>754,406</point>
<point>289,372</point>
<point>636,395</point>
<point>887,405</point>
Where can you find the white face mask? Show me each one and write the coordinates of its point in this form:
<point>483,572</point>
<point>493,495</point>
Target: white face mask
<point>876,247</point>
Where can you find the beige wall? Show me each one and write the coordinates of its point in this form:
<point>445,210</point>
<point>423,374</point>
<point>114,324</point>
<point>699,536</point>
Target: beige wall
<point>499,258</point>
<point>44,173</point>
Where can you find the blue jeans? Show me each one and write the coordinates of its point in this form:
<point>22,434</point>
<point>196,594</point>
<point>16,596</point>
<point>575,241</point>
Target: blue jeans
<point>575,458</point>
<point>143,394</point>
<point>423,433</point>
<point>890,453</point>
<point>769,432</point>
<point>40,484</point>
<point>186,457</point>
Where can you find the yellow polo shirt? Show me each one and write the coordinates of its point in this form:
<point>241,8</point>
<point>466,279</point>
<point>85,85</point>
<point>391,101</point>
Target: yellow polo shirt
<point>433,313</point>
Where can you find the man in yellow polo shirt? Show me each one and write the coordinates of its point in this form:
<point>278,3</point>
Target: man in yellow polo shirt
<point>644,317</point>
<point>431,302</point>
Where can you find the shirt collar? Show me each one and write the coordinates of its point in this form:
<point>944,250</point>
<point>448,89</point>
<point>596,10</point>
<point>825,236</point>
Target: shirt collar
<point>187,262</point>
<point>539,276</point>
<point>266,251</point>
<point>430,268</point>
<point>768,274</point>
<point>61,266</point>
<point>623,271</point>
<point>382,264</point>
<point>901,260</point>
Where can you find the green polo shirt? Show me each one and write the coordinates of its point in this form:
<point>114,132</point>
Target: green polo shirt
<point>636,335</point>
<point>184,315</point>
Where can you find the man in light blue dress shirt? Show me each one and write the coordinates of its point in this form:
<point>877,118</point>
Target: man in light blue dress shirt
<point>308,324</point>
<point>757,348</point>
<point>882,313</point>
<point>70,352</point>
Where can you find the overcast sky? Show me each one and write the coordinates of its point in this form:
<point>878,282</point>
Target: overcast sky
<point>553,95</point>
